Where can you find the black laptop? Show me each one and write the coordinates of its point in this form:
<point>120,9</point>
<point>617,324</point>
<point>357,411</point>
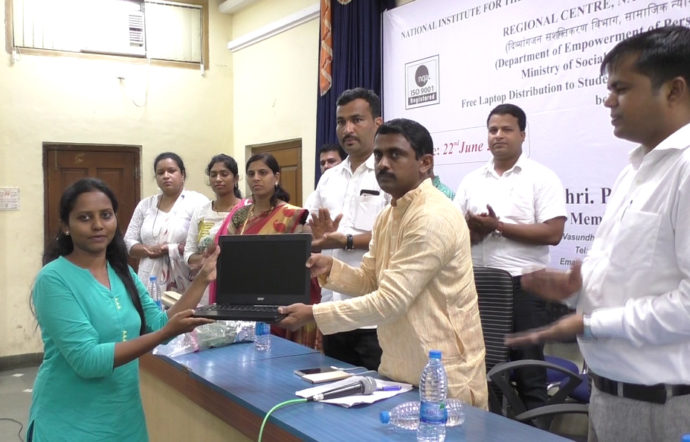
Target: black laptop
<point>257,274</point>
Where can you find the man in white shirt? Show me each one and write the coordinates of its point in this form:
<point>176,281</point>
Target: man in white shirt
<point>344,207</point>
<point>515,209</point>
<point>634,285</point>
<point>330,155</point>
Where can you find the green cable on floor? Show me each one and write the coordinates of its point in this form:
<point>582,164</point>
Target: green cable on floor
<point>280,405</point>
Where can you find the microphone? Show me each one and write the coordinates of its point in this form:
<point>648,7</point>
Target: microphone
<point>364,385</point>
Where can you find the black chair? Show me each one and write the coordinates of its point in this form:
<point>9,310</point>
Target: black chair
<point>495,295</point>
<point>557,403</point>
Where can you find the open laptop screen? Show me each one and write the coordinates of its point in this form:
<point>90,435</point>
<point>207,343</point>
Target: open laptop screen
<point>263,269</point>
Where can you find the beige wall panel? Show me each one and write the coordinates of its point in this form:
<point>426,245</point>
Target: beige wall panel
<point>71,99</point>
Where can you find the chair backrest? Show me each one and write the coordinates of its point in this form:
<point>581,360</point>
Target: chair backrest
<point>495,294</point>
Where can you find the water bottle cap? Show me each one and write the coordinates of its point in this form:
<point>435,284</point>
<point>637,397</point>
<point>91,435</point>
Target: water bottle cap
<point>685,438</point>
<point>434,354</point>
<point>152,278</point>
<point>385,417</point>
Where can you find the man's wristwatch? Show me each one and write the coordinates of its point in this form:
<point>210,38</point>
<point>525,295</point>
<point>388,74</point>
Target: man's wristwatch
<point>587,327</point>
<point>350,242</point>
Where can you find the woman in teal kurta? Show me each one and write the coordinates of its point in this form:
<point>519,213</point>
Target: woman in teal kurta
<point>96,319</point>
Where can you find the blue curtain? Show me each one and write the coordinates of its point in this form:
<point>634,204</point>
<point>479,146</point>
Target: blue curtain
<point>356,31</point>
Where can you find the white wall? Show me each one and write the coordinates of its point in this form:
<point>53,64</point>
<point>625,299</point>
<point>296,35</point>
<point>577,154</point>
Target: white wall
<point>69,99</point>
<point>275,83</point>
<point>263,93</point>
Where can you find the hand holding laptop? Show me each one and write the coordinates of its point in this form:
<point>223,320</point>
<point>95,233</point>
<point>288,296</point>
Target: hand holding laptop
<point>319,264</point>
<point>182,322</point>
<point>296,315</point>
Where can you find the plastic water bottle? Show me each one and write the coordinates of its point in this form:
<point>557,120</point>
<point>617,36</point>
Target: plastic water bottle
<point>155,291</point>
<point>262,338</point>
<point>405,416</point>
<point>433,389</point>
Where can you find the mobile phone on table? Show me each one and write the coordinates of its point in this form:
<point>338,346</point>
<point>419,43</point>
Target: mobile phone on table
<point>317,375</point>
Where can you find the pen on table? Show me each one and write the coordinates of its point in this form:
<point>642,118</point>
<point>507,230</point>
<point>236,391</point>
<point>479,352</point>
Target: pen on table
<point>335,367</point>
<point>389,388</point>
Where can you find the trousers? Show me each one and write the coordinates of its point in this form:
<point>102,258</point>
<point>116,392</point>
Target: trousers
<point>357,347</point>
<point>613,418</point>
<point>529,312</point>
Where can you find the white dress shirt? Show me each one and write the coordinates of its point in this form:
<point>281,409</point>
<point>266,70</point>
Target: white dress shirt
<point>527,193</point>
<point>358,197</point>
<point>636,277</point>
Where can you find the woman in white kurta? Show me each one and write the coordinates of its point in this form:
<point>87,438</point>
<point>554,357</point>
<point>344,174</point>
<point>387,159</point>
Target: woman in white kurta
<point>223,178</point>
<point>158,229</point>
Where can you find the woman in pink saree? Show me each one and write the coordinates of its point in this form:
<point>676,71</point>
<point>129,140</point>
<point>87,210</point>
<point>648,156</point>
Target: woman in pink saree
<point>269,213</point>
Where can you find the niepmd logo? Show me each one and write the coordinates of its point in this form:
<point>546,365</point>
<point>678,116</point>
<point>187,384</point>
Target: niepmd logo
<point>421,76</point>
<point>422,82</point>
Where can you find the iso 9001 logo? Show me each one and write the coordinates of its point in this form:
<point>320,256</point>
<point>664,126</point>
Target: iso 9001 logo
<point>421,83</point>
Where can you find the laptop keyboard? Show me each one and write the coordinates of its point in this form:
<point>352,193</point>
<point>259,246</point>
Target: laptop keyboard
<point>239,308</point>
<point>234,312</point>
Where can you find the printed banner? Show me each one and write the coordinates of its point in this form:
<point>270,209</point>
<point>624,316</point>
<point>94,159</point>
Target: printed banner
<point>447,64</point>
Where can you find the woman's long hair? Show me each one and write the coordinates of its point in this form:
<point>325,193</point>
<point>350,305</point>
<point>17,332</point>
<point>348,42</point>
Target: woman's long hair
<point>272,163</point>
<point>116,252</point>
<point>230,163</point>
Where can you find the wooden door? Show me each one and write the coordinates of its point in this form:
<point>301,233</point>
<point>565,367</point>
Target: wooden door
<point>289,157</point>
<point>116,165</point>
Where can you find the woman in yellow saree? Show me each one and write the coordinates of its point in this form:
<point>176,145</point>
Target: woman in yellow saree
<point>269,213</point>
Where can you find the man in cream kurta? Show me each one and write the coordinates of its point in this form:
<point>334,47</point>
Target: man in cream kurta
<point>416,281</point>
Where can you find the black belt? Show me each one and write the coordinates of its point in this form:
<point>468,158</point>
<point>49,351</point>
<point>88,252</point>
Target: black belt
<point>657,394</point>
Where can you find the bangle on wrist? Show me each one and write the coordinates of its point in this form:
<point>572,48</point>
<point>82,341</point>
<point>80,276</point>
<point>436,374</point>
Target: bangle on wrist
<point>349,242</point>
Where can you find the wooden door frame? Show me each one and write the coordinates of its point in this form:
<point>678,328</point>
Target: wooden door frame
<point>95,147</point>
